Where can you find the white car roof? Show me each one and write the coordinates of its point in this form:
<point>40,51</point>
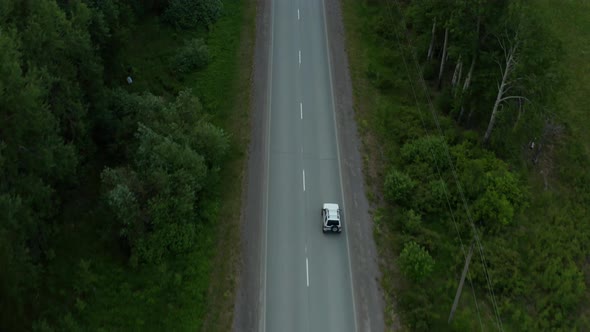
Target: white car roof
<point>333,213</point>
<point>331,206</point>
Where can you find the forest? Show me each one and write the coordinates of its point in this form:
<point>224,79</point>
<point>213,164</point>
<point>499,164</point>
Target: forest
<point>116,126</point>
<point>470,153</point>
<point>120,139</point>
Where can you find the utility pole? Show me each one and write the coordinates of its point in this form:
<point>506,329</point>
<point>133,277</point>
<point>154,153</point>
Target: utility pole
<point>460,288</point>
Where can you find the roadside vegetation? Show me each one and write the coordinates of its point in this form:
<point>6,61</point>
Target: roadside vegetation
<point>471,115</point>
<point>122,143</point>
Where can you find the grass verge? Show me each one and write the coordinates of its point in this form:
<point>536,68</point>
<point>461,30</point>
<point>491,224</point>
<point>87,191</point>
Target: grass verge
<point>233,115</point>
<point>569,23</point>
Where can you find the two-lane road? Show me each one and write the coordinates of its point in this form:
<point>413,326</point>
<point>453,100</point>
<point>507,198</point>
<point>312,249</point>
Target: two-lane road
<point>307,283</point>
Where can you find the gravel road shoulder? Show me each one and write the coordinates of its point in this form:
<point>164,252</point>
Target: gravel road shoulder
<point>247,305</point>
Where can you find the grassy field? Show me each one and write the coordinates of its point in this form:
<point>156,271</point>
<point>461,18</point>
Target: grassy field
<point>568,20</point>
<point>193,291</point>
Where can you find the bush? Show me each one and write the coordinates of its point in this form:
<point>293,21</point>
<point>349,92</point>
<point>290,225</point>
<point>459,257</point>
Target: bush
<point>159,201</point>
<point>415,262</point>
<point>428,149</point>
<point>430,198</point>
<point>398,186</point>
<point>418,310</point>
<point>188,14</point>
<point>194,55</point>
<point>412,222</point>
<point>430,70</point>
<point>444,101</point>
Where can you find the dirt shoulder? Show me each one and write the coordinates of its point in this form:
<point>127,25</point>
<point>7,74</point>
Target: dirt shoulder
<point>247,304</point>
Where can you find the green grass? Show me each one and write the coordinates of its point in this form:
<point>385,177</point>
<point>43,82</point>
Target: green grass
<point>568,21</point>
<point>226,82</point>
<point>149,53</point>
<point>193,291</point>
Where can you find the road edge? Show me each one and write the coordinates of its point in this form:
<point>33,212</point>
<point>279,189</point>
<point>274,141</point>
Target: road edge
<point>363,256</point>
<point>248,297</point>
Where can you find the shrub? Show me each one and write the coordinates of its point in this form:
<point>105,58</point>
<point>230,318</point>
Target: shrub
<point>412,222</point>
<point>415,262</point>
<point>194,55</point>
<point>398,186</point>
<point>430,198</point>
<point>427,149</point>
<point>418,309</point>
<point>493,210</point>
<point>192,13</point>
<point>430,70</point>
<point>444,101</point>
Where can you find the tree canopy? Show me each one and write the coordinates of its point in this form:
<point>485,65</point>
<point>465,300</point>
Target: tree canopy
<point>68,119</point>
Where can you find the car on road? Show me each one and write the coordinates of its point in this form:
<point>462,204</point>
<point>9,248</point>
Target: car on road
<point>331,220</point>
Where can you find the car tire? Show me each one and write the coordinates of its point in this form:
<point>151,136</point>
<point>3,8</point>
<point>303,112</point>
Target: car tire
<point>334,229</point>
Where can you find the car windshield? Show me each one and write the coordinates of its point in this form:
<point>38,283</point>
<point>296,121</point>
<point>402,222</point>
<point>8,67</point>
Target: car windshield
<point>333,223</point>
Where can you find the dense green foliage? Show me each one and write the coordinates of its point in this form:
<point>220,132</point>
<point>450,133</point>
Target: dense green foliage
<point>156,198</point>
<point>194,55</point>
<point>398,186</point>
<point>109,191</point>
<point>456,174</point>
<point>193,13</point>
<point>415,262</point>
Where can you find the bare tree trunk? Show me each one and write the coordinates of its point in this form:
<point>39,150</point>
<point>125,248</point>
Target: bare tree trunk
<point>457,72</point>
<point>509,56</point>
<point>468,121</point>
<point>494,111</point>
<point>431,47</point>
<point>443,58</point>
<point>467,82</point>
<point>460,76</point>
<point>520,112</point>
<point>461,114</point>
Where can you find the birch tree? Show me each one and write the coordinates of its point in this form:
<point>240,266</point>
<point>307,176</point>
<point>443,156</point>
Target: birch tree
<point>431,47</point>
<point>510,50</point>
<point>469,75</point>
<point>443,56</point>
<point>473,56</point>
<point>457,73</point>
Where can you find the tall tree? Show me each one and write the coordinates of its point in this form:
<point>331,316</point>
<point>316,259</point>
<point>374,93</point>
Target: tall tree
<point>33,159</point>
<point>510,48</point>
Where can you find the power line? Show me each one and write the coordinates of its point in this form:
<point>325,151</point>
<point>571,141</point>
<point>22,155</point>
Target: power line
<point>458,183</point>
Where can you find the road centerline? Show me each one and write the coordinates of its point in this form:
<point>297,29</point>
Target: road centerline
<point>307,270</point>
<point>303,180</point>
<point>301,110</point>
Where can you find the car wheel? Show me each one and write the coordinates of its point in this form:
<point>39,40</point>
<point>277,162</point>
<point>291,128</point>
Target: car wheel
<point>334,229</point>
<point>323,230</point>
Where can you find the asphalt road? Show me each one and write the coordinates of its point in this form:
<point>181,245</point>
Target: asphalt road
<point>307,282</point>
